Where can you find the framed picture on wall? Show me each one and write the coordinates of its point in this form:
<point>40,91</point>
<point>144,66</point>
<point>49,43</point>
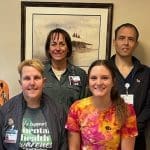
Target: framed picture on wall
<point>89,26</point>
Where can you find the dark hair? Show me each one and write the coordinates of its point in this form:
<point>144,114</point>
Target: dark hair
<point>128,25</point>
<point>67,39</point>
<point>121,109</point>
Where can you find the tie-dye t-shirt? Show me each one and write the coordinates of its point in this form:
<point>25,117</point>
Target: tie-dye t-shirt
<point>99,130</point>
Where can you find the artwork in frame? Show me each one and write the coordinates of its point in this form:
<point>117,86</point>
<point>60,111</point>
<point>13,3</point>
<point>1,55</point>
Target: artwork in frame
<point>89,25</point>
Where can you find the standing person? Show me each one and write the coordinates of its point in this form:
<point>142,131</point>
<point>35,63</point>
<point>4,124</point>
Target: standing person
<point>31,120</point>
<point>65,82</point>
<point>103,121</point>
<point>133,78</point>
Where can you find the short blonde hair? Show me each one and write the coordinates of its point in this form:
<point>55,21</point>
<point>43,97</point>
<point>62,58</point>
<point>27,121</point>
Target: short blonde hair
<point>35,63</point>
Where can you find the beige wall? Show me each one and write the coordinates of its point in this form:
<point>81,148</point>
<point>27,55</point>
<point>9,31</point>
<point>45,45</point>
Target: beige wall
<point>134,11</point>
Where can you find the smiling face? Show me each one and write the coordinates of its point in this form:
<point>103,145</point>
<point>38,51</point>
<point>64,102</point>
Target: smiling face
<point>58,48</point>
<point>125,42</point>
<point>100,81</point>
<point>32,83</point>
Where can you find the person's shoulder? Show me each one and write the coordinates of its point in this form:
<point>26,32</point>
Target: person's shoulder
<point>77,69</point>
<point>112,58</point>
<point>139,66</point>
<point>12,103</point>
<point>144,68</point>
<point>82,103</point>
<point>138,63</point>
<point>46,65</point>
<point>112,61</point>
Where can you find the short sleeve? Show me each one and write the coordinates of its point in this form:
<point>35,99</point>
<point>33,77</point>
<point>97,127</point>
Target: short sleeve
<point>72,123</point>
<point>129,129</point>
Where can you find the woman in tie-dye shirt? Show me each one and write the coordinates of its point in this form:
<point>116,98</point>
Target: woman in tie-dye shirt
<point>102,121</point>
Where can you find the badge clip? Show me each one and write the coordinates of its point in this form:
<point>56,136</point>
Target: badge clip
<point>127,85</point>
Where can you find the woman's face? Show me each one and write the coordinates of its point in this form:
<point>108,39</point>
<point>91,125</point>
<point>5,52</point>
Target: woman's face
<point>58,47</point>
<point>100,81</point>
<point>32,83</point>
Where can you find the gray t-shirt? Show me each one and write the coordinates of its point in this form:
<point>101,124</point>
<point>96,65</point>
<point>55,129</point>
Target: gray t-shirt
<point>35,134</point>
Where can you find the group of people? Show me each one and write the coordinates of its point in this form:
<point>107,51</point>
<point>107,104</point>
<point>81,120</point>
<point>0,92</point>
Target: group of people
<point>54,110</point>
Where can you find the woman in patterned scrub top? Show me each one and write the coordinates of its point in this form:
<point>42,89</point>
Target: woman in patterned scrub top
<point>102,121</point>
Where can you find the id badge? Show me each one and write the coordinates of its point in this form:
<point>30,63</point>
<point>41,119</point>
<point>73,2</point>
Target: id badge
<point>128,98</point>
<point>11,136</point>
<point>74,80</point>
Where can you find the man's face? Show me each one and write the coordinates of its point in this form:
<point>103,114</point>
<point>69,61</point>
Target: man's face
<point>125,42</point>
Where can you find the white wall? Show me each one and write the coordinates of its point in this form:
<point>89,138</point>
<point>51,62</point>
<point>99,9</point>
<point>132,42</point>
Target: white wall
<point>134,11</point>
<point>10,43</point>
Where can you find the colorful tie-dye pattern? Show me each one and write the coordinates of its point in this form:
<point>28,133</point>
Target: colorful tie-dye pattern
<point>99,129</point>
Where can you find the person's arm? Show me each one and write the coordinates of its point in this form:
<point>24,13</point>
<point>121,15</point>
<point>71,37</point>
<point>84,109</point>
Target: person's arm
<point>74,140</point>
<point>73,127</point>
<point>129,130</point>
<point>127,143</point>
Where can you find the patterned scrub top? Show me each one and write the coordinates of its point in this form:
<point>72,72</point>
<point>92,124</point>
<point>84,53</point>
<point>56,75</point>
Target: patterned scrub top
<point>99,129</point>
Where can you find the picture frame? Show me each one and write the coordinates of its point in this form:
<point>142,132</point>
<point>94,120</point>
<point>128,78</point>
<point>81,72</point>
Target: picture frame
<point>88,24</point>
